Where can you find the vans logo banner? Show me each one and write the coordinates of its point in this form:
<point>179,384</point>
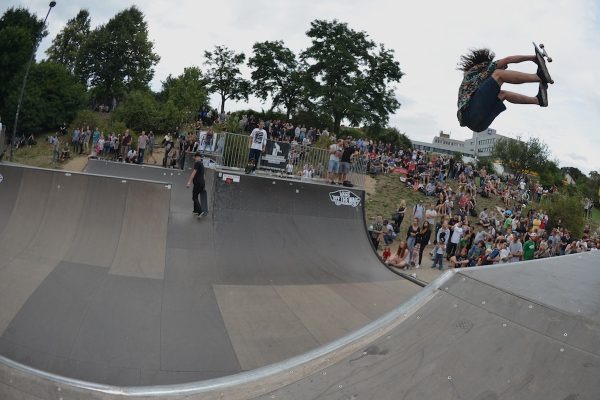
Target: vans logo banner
<point>344,198</point>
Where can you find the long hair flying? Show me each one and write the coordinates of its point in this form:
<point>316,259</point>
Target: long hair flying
<point>474,57</point>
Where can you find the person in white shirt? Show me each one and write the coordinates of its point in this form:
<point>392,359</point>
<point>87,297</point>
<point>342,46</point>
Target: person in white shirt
<point>335,151</point>
<point>258,142</point>
<point>131,156</point>
<point>457,233</point>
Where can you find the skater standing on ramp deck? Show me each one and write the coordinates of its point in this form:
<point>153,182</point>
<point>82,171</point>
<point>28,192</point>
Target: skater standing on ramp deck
<point>197,178</point>
<point>480,99</point>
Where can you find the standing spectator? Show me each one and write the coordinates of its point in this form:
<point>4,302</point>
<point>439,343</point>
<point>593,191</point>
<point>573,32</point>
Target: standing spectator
<point>142,143</point>
<point>86,140</point>
<point>258,142</point>
<point>418,210</point>
<point>169,147</point>
<point>55,149</point>
<point>150,147</point>
<point>399,215</point>
<point>95,139</point>
<point>423,238</point>
<point>515,248</point>
<point>125,143</point>
<point>431,214</point>
<point>438,254</point>
<point>63,129</point>
<point>348,153</point>
<point>334,161</point>
<point>411,235</point>
<point>75,140</point>
<point>457,234</point>
<point>197,178</point>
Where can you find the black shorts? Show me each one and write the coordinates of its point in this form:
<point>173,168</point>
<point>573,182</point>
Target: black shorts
<point>484,106</point>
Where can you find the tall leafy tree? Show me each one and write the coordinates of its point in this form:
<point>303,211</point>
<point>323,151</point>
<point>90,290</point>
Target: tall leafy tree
<point>522,157</point>
<point>187,91</point>
<point>349,76</point>
<point>53,96</point>
<point>224,75</point>
<point>19,31</point>
<point>278,74</point>
<point>118,57</point>
<point>67,44</point>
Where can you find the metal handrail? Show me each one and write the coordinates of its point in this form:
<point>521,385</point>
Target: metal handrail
<point>234,153</point>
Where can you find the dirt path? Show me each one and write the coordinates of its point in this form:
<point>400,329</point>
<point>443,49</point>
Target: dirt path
<point>76,164</point>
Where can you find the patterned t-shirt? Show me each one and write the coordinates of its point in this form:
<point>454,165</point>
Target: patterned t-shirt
<point>472,79</point>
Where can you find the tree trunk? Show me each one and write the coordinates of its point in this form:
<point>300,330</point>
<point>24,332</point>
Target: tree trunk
<point>337,121</point>
<point>222,103</point>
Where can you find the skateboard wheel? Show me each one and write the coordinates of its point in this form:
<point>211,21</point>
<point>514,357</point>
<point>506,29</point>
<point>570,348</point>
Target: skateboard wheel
<point>541,45</point>
<point>549,59</point>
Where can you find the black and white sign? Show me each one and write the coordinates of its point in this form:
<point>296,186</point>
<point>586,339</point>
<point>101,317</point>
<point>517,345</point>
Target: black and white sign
<point>276,154</point>
<point>1,178</point>
<point>344,198</point>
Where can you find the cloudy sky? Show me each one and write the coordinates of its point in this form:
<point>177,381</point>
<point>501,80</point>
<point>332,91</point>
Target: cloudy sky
<point>428,38</point>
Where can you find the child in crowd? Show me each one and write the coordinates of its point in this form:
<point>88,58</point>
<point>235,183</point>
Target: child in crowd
<point>438,253</point>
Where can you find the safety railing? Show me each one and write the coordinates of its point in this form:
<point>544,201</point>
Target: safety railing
<point>288,159</point>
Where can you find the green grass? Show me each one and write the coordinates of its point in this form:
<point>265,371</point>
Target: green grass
<point>39,155</point>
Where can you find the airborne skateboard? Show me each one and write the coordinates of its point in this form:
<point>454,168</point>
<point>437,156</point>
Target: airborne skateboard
<point>542,56</point>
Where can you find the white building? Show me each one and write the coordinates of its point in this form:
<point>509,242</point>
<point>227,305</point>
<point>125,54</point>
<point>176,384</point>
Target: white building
<point>479,145</point>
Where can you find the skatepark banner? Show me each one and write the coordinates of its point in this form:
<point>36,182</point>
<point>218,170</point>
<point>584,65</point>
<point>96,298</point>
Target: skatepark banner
<point>276,155</point>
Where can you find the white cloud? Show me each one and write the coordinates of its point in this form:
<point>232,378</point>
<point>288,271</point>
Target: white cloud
<point>428,38</point>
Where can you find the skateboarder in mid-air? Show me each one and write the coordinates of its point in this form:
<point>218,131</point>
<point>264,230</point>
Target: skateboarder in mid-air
<point>480,98</point>
<point>197,178</point>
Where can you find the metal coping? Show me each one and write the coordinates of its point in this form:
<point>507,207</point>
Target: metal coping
<point>60,171</point>
<point>247,377</point>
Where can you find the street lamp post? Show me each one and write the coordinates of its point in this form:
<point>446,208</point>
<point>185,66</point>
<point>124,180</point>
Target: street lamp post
<point>37,42</point>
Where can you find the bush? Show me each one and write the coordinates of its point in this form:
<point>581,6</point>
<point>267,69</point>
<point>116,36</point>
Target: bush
<point>569,209</point>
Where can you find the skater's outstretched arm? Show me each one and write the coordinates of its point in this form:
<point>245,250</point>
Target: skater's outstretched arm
<point>503,63</point>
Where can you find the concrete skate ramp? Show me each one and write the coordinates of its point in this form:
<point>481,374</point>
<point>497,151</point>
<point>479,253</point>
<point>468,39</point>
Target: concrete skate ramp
<point>521,331</point>
<point>114,281</point>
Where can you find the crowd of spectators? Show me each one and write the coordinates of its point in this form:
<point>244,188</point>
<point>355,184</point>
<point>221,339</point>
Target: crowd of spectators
<point>462,234</point>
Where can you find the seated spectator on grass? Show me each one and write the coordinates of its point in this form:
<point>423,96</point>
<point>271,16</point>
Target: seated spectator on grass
<point>460,260</point>
<point>402,257</point>
<point>388,234</point>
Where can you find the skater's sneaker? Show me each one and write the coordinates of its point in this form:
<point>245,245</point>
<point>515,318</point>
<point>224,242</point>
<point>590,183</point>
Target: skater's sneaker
<point>203,214</point>
<point>418,266</point>
<point>542,95</point>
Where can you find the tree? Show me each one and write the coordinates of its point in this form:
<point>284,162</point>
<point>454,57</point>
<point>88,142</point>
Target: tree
<point>187,91</point>
<point>349,76</point>
<point>388,135</point>
<point>53,96</point>
<point>19,31</point>
<point>277,74</point>
<point>117,57</point>
<point>567,208</point>
<point>551,175</point>
<point>140,110</point>
<point>522,157</point>
<point>67,44</point>
<point>224,75</point>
